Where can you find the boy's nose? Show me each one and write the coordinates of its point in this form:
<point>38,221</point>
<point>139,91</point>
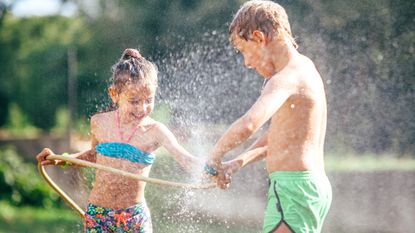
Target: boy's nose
<point>248,64</point>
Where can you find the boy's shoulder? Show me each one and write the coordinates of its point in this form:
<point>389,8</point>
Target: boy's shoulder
<point>297,69</point>
<point>295,76</point>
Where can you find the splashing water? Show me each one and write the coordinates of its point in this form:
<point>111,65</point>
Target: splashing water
<point>206,87</point>
<point>203,85</point>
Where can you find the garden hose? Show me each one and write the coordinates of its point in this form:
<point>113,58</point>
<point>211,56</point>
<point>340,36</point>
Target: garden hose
<point>65,196</point>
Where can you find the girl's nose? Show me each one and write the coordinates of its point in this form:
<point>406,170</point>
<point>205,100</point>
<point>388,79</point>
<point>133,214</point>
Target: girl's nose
<point>143,108</point>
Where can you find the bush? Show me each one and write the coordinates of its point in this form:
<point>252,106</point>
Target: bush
<point>20,183</point>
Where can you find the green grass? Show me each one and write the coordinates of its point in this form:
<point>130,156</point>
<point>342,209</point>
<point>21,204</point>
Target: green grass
<point>29,220</point>
<point>368,162</point>
<point>202,226</point>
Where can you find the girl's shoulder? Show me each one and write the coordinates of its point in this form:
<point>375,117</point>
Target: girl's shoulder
<point>151,124</point>
<point>101,118</point>
<point>156,128</point>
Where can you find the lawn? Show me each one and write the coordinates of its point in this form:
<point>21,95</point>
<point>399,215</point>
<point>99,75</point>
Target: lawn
<point>33,220</point>
<point>368,162</point>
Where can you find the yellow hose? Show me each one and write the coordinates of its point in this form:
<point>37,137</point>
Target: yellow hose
<point>84,163</point>
<point>65,197</point>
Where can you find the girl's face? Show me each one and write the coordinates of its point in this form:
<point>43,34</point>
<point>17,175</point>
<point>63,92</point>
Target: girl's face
<point>135,101</point>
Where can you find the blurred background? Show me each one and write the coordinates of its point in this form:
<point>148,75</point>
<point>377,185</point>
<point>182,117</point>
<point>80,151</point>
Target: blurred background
<point>55,60</point>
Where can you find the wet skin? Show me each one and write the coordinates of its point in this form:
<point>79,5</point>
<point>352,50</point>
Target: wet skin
<point>133,126</point>
<point>293,100</point>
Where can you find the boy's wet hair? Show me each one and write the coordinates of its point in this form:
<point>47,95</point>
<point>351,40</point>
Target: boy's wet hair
<point>265,16</point>
<point>133,68</point>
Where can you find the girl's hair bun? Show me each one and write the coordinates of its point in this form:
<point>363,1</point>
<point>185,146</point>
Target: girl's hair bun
<point>130,53</point>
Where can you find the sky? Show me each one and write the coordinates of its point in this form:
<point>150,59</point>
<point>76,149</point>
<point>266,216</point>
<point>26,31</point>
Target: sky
<point>25,8</point>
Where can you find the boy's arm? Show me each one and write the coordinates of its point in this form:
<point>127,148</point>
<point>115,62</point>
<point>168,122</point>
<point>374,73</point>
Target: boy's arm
<point>257,151</point>
<point>181,155</point>
<point>244,159</point>
<point>275,93</point>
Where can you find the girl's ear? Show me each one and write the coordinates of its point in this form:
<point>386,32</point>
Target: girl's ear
<point>113,94</point>
<point>258,36</point>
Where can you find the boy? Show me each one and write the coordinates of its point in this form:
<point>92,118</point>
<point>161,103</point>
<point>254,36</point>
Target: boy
<point>293,99</point>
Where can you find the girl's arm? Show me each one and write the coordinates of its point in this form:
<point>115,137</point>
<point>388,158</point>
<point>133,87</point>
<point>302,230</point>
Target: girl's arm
<point>88,155</point>
<point>181,155</point>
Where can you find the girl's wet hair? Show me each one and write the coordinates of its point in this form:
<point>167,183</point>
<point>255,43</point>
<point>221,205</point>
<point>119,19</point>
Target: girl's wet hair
<point>132,68</point>
<point>263,15</point>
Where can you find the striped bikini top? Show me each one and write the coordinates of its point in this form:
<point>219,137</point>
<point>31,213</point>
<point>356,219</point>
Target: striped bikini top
<point>125,151</point>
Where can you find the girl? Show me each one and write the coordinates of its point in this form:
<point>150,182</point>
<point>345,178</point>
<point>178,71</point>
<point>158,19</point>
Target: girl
<point>125,139</point>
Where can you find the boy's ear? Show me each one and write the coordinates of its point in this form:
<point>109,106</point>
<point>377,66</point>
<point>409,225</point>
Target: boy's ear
<point>258,36</point>
<point>113,94</point>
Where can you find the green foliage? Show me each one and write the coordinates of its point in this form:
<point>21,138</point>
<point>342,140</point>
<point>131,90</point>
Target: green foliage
<point>20,183</point>
<point>363,48</point>
<point>363,51</point>
<point>62,121</point>
<point>18,125</point>
<point>35,64</point>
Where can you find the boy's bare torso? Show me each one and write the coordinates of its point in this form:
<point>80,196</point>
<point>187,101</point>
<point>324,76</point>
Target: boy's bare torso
<point>297,130</point>
<point>116,191</point>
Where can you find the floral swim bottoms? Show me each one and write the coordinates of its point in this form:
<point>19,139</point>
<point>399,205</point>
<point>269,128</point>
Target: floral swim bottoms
<point>133,219</point>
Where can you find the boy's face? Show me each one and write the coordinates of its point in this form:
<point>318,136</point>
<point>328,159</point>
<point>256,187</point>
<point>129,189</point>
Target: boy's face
<point>135,101</point>
<point>255,53</point>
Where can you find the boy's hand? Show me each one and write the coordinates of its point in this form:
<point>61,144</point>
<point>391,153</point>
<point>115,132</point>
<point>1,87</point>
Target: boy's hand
<point>232,166</point>
<point>223,180</point>
<point>225,176</point>
<point>213,170</point>
<point>41,157</point>
<point>222,174</point>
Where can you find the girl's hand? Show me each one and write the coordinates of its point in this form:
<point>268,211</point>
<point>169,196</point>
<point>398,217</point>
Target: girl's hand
<point>41,157</point>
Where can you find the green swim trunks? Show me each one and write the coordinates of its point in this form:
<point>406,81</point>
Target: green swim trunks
<point>300,200</point>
